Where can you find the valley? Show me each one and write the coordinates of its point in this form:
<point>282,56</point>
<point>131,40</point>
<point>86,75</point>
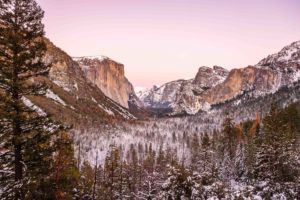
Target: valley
<point>76,128</point>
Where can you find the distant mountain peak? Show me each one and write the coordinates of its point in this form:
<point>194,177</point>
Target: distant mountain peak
<point>287,57</point>
<point>216,85</point>
<point>209,77</point>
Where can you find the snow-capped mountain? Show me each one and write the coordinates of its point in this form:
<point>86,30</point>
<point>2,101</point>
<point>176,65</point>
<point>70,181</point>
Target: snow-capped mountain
<point>216,85</point>
<point>141,92</point>
<point>288,57</point>
<point>182,95</point>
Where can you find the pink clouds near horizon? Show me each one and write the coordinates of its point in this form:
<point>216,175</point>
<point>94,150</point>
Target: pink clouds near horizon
<point>160,41</point>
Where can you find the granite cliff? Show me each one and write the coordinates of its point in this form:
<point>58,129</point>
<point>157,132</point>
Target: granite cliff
<point>109,76</point>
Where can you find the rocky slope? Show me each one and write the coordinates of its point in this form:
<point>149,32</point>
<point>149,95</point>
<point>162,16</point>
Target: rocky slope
<point>109,76</point>
<point>182,95</point>
<point>71,98</point>
<point>270,74</point>
<point>213,86</point>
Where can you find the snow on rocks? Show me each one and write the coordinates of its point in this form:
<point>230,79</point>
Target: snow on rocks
<point>35,108</point>
<point>63,85</point>
<point>107,110</point>
<point>53,96</point>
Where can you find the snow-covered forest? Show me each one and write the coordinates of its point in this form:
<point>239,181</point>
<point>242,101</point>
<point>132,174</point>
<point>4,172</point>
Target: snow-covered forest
<point>176,158</point>
<point>246,147</point>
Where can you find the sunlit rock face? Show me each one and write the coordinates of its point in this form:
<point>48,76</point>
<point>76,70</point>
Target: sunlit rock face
<point>208,77</point>
<point>71,98</point>
<point>182,96</point>
<point>216,85</point>
<point>109,76</point>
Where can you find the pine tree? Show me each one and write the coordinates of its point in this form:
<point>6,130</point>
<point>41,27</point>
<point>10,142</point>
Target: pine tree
<point>251,131</point>
<point>228,148</point>
<point>150,187</point>
<point>66,174</point>
<point>206,165</point>
<point>276,160</point>
<point>87,174</point>
<point>124,191</point>
<point>178,185</point>
<point>229,133</point>
<point>195,152</point>
<point>27,155</point>
<point>112,173</point>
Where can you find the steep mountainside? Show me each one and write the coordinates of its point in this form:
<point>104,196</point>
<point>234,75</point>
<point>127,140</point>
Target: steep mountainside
<point>71,98</point>
<point>215,86</point>
<point>267,76</point>
<point>182,95</point>
<point>109,76</point>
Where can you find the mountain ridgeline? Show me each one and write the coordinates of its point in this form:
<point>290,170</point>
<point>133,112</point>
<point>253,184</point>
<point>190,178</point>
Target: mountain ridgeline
<point>215,86</point>
<point>94,89</point>
<point>72,98</point>
<point>74,127</point>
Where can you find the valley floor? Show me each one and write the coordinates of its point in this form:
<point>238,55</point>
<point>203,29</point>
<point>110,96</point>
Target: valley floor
<point>195,158</point>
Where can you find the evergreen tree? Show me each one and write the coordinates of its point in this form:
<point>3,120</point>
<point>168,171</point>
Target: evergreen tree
<point>195,152</point>
<point>150,187</point>
<point>112,174</point>
<point>27,155</point>
<point>161,159</point>
<point>206,162</point>
<point>66,175</point>
<point>276,160</point>
<point>251,131</point>
<point>86,182</point>
<point>228,148</point>
<point>178,185</point>
<point>229,133</point>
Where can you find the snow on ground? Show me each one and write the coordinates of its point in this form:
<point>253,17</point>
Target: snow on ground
<point>53,96</point>
<point>30,105</point>
<point>76,86</point>
<point>63,85</point>
<point>297,75</point>
<point>170,133</point>
<point>107,110</point>
<point>94,100</point>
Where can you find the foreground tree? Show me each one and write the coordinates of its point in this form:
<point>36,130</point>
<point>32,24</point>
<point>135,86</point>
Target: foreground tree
<point>276,157</point>
<point>26,153</point>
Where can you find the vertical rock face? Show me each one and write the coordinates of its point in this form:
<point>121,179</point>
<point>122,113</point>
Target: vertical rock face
<point>70,97</point>
<point>109,76</point>
<point>216,85</point>
<point>208,77</point>
<point>270,74</point>
<point>182,95</point>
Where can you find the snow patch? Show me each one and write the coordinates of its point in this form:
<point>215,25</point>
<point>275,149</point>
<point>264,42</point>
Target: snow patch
<point>76,86</point>
<point>94,100</point>
<point>297,75</point>
<point>63,85</point>
<point>35,108</point>
<point>53,96</point>
<point>107,110</point>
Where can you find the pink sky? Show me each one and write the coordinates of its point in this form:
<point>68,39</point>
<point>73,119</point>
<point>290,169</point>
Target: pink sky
<point>163,40</point>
